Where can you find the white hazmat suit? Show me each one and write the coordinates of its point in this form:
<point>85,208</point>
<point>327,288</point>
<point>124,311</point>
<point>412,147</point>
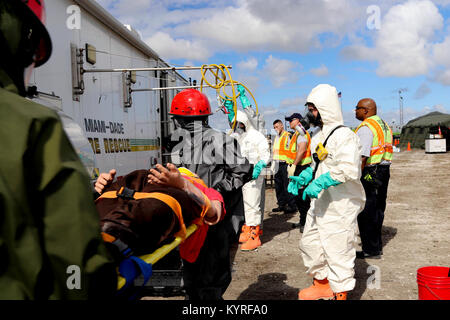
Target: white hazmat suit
<point>255,147</point>
<point>327,244</point>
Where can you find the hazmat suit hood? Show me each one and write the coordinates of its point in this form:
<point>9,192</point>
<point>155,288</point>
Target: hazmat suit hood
<point>242,117</point>
<point>325,99</point>
<point>254,145</point>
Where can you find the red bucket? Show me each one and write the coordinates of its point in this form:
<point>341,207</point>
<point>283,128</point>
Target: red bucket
<point>434,283</point>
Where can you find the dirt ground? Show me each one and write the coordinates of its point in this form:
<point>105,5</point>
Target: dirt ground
<point>416,233</point>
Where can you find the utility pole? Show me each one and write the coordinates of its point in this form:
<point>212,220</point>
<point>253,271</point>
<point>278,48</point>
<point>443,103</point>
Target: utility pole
<point>401,108</point>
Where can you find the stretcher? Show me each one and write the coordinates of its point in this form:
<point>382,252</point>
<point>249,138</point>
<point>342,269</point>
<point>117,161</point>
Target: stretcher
<point>158,254</point>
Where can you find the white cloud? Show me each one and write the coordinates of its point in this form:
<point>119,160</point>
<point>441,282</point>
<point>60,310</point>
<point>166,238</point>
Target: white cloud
<point>405,46</point>
<point>437,107</point>
<point>392,116</point>
<point>235,28</point>
<point>441,55</point>
<point>293,102</point>
<point>443,3</point>
<point>281,71</point>
<point>193,74</point>
<point>410,113</point>
<point>244,25</point>
<point>170,48</point>
<point>270,111</point>
<point>441,52</point>
<point>404,43</point>
<point>250,81</point>
<point>320,71</point>
<point>248,65</point>
<point>302,22</point>
<point>443,77</point>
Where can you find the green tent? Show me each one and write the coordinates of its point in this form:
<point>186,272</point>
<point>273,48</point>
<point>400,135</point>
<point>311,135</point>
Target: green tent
<point>417,130</point>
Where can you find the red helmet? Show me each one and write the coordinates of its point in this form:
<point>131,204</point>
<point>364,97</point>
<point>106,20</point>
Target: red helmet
<point>190,103</point>
<point>34,10</point>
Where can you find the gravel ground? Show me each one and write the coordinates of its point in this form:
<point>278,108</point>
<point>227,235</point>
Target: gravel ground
<point>416,233</point>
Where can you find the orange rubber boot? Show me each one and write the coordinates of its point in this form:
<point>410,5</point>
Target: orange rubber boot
<point>341,296</point>
<point>245,234</point>
<point>320,290</point>
<point>253,242</point>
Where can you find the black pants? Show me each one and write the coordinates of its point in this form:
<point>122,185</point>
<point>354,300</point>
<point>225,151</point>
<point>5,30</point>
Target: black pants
<point>281,183</point>
<point>209,276</point>
<point>370,220</point>
<point>302,205</point>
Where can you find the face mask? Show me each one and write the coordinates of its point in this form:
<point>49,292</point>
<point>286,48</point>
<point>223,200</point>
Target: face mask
<point>190,124</point>
<point>316,122</point>
<point>238,129</point>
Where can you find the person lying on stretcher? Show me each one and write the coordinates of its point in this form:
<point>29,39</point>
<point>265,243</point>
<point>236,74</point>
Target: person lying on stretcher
<point>145,209</point>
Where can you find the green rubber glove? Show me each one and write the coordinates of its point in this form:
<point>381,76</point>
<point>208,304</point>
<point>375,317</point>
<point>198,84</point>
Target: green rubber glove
<point>321,183</point>
<point>304,177</point>
<point>258,168</point>
<point>293,187</point>
<point>244,100</point>
<point>228,104</point>
<point>300,181</point>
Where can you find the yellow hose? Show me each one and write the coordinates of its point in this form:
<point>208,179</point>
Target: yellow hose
<point>221,83</point>
<point>160,253</point>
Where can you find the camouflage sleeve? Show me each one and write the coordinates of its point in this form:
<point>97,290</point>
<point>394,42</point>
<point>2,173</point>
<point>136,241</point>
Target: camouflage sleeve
<point>77,262</point>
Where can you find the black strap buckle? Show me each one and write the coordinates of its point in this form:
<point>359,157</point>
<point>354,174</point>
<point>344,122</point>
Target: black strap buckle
<point>123,248</point>
<point>126,193</point>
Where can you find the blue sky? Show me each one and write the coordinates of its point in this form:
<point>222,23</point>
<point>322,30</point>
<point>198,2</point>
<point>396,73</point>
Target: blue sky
<point>281,49</point>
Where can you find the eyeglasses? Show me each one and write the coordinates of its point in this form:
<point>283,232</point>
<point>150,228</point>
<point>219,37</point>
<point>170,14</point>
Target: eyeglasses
<point>357,108</point>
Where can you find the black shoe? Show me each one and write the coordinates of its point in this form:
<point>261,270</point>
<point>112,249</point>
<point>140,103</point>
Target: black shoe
<point>279,209</point>
<point>290,209</point>
<point>364,255</point>
<point>298,225</point>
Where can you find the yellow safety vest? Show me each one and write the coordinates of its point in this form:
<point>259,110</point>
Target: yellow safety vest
<point>279,148</point>
<point>292,151</point>
<point>382,140</point>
